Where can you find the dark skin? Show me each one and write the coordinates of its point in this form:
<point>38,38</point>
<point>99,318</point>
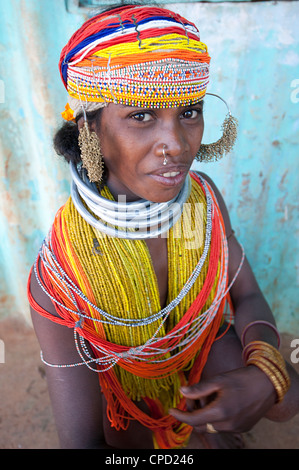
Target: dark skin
<point>132,140</point>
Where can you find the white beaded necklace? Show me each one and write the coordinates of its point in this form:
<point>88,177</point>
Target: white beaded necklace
<point>134,220</point>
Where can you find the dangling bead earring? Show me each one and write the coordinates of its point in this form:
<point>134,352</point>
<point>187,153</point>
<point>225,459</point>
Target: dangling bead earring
<point>91,156</point>
<point>216,150</point>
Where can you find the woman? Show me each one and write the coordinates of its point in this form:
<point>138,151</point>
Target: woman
<point>141,263</point>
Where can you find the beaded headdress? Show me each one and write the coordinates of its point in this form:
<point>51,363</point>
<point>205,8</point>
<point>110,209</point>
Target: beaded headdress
<point>137,56</point>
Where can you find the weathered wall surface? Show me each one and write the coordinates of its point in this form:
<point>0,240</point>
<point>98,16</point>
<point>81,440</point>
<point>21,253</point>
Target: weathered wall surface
<point>255,67</point>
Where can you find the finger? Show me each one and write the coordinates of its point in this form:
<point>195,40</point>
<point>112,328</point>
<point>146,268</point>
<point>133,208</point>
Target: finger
<point>198,420</point>
<point>190,404</point>
<point>196,404</point>
<point>196,417</point>
<point>212,412</point>
<point>206,428</point>
<point>200,390</point>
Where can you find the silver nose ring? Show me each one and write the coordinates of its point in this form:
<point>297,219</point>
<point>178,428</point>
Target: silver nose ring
<point>164,155</point>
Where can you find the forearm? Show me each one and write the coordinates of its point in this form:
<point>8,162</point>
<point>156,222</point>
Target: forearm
<point>248,300</point>
<point>253,308</point>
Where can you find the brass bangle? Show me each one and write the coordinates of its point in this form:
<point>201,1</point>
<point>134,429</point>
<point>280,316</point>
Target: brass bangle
<point>278,389</point>
<point>268,359</point>
<point>279,364</point>
<point>273,370</point>
<point>261,346</point>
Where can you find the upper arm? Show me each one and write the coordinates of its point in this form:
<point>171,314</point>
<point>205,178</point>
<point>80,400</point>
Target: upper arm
<point>74,391</point>
<point>245,284</point>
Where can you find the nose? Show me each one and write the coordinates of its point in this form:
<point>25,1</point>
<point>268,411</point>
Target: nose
<point>170,141</point>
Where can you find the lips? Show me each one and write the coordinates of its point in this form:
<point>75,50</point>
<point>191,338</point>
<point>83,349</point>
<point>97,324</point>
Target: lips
<point>178,168</point>
<point>174,175</point>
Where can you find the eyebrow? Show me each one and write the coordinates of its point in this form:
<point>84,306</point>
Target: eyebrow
<point>125,106</point>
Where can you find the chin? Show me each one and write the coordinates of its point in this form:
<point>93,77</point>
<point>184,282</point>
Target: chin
<point>154,192</point>
<point>168,196</point>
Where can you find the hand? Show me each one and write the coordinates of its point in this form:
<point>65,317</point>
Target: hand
<point>233,401</point>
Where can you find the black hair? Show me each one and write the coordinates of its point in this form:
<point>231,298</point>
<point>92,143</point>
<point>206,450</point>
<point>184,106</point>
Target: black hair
<point>65,140</point>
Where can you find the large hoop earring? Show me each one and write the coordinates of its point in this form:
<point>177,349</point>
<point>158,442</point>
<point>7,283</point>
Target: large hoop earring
<point>91,155</point>
<point>216,150</point>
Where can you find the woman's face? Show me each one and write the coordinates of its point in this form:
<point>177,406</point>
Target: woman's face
<point>132,141</point>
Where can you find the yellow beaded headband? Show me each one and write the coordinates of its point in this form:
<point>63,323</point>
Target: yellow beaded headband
<point>137,56</point>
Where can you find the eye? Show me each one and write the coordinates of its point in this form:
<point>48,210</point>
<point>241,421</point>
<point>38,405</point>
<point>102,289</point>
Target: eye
<point>191,113</point>
<point>141,117</point>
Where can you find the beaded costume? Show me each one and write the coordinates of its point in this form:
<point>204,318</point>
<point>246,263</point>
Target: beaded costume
<point>105,287</point>
<point>141,350</point>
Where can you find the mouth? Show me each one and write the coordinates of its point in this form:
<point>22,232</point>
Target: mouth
<point>172,177</point>
<point>170,174</point>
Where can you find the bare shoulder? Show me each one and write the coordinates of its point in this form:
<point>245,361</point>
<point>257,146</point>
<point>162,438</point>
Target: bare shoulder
<point>55,335</point>
<point>40,297</point>
<point>52,335</point>
<point>80,383</point>
<point>221,203</point>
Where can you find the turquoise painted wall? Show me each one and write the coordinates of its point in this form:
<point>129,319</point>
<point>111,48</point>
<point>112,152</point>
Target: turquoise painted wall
<point>255,67</point>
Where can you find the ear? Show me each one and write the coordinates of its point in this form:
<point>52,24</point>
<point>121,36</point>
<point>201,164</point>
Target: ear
<point>91,125</point>
<point>80,123</point>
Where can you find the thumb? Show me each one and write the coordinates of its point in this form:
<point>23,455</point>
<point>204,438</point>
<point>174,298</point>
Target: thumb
<point>200,390</point>
<point>205,394</point>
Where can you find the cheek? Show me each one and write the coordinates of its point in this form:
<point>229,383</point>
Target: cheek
<point>114,139</point>
<point>106,140</point>
<point>194,139</point>
<point>116,153</point>
<point>199,132</point>
<point>197,139</point>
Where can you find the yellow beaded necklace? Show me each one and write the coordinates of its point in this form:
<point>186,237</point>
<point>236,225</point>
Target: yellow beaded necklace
<point>121,275</point>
